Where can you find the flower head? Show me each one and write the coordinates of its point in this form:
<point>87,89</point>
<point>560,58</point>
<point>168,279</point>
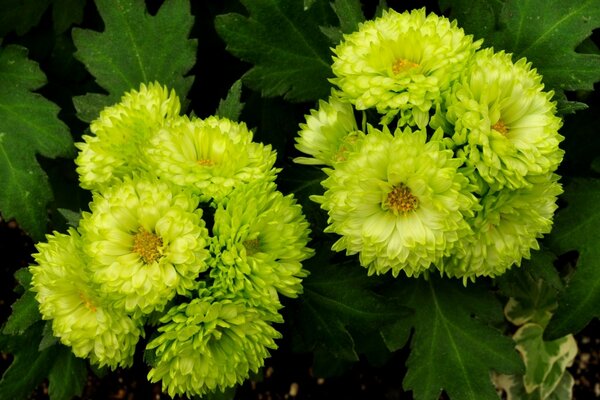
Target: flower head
<point>401,62</point>
<point>120,134</point>
<point>262,237</point>
<point>211,156</point>
<point>211,343</point>
<point>505,230</point>
<point>505,121</point>
<point>398,201</point>
<point>328,134</point>
<point>80,317</point>
<point>147,242</point>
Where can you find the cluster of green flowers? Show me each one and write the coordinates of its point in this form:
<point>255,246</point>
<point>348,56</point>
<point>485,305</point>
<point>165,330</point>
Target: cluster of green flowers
<point>452,167</point>
<point>143,257</point>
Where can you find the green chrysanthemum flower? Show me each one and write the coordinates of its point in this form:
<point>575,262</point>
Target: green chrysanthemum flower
<point>80,319</point>
<point>401,62</point>
<point>147,241</point>
<point>211,344</point>
<point>506,229</point>
<point>505,120</point>
<point>398,202</point>
<point>328,134</point>
<point>262,237</point>
<point>211,156</point>
<point>120,134</point>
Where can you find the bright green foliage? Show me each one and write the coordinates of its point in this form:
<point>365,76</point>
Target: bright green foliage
<point>451,350</point>
<point>338,300</point>
<point>135,48</point>
<point>231,106</point>
<point>290,55</point>
<point>28,126</point>
<point>577,228</point>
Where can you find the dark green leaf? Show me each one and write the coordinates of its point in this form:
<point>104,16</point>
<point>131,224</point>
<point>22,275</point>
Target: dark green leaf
<point>290,55</point>
<point>28,126</point>
<point>72,217</point>
<point>23,276</point>
<point>68,375</point>
<point>337,298</point>
<point>547,33</point>
<point>477,18</point>
<point>577,228</point>
<point>349,13</point>
<point>21,15</point>
<point>135,48</point>
<point>28,368</point>
<point>453,349</point>
<point>231,107</point>
<point>48,338</point>
<point>65,13</point>
<point>24,314</point>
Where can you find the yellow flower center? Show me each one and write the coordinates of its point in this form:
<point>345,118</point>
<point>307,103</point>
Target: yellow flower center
<point>500,127</point>
<point>252,246</point>
<point>401,200</point>
<point>205,162</point>
<point>147,245</point>
<point>87,302</point>
<point>402,65</point>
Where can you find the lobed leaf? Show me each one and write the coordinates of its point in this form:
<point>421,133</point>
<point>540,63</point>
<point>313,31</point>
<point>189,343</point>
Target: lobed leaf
<point>68,375</point>
<point>282,40</point>
<point>24,314</point>
<point>136,47</point>
<point>453,347</point>
<point>231,106</point>
<point>29,126</point>
<point>577,228</point>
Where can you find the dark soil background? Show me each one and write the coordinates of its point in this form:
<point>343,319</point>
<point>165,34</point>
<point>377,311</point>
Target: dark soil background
<point>286,375</point>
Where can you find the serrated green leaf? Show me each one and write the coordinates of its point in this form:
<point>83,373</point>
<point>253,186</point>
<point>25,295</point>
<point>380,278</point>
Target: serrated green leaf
<point>451,350</point>
<point>291,57</point>
<point>135,48</point>
<point>350,14</point>
<point>338,298</point>
<point>547,33</point>
<point>29,366</point>
<point>72,217</point>
<point>65,13</point>
<point>476,17</point>
<point>21,15</point>
<point>28,126</point>
<point>577,227</point>
<point>23,276</point>
<point>231,107</point>
<point>24,314</point>
<point>48,338</point>
<point>68,375</point>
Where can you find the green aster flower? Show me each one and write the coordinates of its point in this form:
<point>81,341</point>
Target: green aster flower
<point>211,156</point>
<point>120,134</point>
<point>398,202</point>
<point>328,134</point>
<point>261,237</point>
<point>80,318</point>
<point>506,228</point>
<point>147,242</point>
<point>505,121</point>
<point>209,344</point>
<point>401,62</point>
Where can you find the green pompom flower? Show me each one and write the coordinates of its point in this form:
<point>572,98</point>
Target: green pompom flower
<point>211,343</point>
<point>328,134</point>
<point>506,229</point>
<point>401,62</point>
<point>80,317</point>
<point>261,237</point>
<point>147,242</point>
<point>398,202</point>
<point>120,134</point>
<point>210,156</point>
<point>505,121</point>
